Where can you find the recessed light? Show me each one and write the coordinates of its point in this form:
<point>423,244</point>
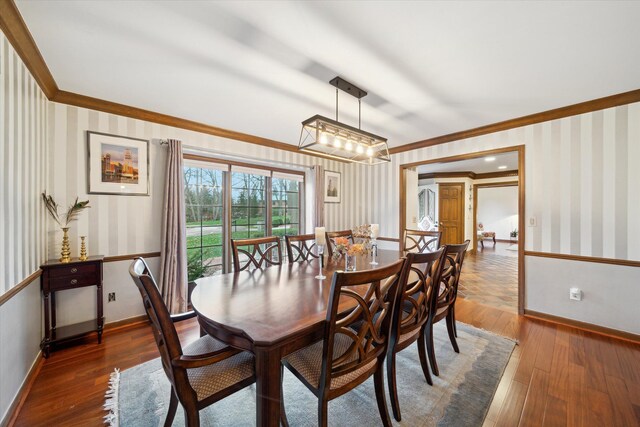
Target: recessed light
<point>489,159</point>
<point>502,167</point>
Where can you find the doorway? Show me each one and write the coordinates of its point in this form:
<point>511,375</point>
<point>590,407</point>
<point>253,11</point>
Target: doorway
<point>493,276</point>
<point>451,212</point>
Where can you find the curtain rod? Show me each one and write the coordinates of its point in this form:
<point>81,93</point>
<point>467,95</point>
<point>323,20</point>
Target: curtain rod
<point>189,149</point>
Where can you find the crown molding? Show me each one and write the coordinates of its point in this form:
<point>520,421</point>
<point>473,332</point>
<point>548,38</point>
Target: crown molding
<point>469,174</point>
<point>557,113</point>
<point>77,100</point>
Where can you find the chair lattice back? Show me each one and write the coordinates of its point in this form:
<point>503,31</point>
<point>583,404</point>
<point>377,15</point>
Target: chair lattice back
<point>421,241</point>
<point>331,236</point>
<point>300,248</point>
<point>163,328</point>
<point>416,299</point>
<point>450,277</point>
<point>260,253</point>
<point>367,325</point>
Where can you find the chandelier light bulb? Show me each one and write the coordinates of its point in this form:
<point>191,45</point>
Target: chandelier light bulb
<point>337,143</point>
<point>348,146</point>
<point>359,149</point>
<point>369,151</point>
<point>323,139</point>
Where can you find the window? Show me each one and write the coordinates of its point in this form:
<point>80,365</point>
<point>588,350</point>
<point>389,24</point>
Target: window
<point>249,208</point>
<point>204,204</point>
<point>285,206</point>
<point>224,202</point>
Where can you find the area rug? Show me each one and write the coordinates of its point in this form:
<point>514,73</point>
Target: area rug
<point>460,396</point>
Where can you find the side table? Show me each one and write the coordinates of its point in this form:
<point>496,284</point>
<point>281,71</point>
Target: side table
<point>58,276</point>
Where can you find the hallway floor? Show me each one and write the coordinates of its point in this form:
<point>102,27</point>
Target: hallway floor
<point>490,277</point>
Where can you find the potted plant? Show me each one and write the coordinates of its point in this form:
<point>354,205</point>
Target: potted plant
<point>514,234</point>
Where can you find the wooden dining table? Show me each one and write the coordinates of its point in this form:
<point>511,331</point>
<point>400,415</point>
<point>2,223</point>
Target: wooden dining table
<point>271,312</point>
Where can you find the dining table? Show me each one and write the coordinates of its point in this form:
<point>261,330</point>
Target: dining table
<point>271,313</point>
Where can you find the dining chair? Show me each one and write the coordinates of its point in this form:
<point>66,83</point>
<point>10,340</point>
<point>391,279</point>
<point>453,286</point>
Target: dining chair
<point>421,241</point>
<point>355,339</point>
<point>331,235</point>
<point>416,300</point>
<point>200,373</point>
<point>300,247</point>
<point>261,252</point>
<point>446,300</point>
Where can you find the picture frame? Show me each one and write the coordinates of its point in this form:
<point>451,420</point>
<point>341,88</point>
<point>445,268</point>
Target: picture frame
<point>332,187</point>
<point>117,165</point>
<point>431,204</point>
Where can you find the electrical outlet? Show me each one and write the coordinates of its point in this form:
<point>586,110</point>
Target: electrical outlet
<point>575,294</point>
<point>532,221</point>
<point>112,296</point>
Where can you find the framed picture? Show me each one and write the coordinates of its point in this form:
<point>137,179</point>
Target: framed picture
<point>431,205</point>
<point>332,187</point>
<point>117,165</point>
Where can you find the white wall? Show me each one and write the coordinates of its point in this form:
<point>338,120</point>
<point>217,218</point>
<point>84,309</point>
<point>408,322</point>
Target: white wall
<point>23,165</point>
<point>498,210</point>
<point>610,292</point>
<point>20,335</point>
<point>411,180</point>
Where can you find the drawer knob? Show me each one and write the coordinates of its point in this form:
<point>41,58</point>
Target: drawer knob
<point>74,270</point>
<point>74,281</point>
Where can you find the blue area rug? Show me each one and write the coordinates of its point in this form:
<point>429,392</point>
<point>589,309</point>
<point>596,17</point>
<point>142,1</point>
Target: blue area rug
<point>460,396</point>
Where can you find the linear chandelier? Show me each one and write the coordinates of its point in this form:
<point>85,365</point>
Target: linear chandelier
<point>340,141</point>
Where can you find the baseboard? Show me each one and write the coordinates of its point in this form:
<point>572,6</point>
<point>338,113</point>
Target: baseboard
<point>14,409</point>
<point>125,323</point>
<point>584,326</point>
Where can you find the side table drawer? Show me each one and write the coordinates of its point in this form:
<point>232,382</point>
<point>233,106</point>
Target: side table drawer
<point>74,270</point>
<point>73,281</point>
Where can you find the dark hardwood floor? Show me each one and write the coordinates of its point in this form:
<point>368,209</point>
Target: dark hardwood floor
<point>490,276</point>
<point>557,376</point>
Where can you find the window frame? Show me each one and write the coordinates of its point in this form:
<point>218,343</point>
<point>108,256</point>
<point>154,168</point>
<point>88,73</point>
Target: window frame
<point>227,182</point>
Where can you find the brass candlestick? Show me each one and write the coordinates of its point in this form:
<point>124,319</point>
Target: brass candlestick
<point>65,253</point>
<point>83,249</point>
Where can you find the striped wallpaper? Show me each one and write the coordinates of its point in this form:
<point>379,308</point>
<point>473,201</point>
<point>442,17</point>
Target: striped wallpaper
<point>581,182</point>
<point>23,165</point>
<point>118,225</point>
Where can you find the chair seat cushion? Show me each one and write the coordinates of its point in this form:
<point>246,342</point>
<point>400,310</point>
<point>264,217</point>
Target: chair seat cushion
<point>213,378</point>
<point>308,362</point>
<point>408,335</point>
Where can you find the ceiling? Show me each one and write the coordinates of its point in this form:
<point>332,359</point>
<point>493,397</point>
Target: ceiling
<point>477,165</point>
<point>431,68</point>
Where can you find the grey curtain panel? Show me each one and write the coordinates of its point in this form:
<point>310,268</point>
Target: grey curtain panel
<point>318,219</point>
<point>173,260</point>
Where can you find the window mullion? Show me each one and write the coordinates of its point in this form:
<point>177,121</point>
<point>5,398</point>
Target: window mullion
<point>226,221</point>
<point>268,207</point>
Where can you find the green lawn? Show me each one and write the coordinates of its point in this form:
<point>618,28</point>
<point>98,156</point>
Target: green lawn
<point>214,249</point>
<point>277,220</point>
<point>193,242</point>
